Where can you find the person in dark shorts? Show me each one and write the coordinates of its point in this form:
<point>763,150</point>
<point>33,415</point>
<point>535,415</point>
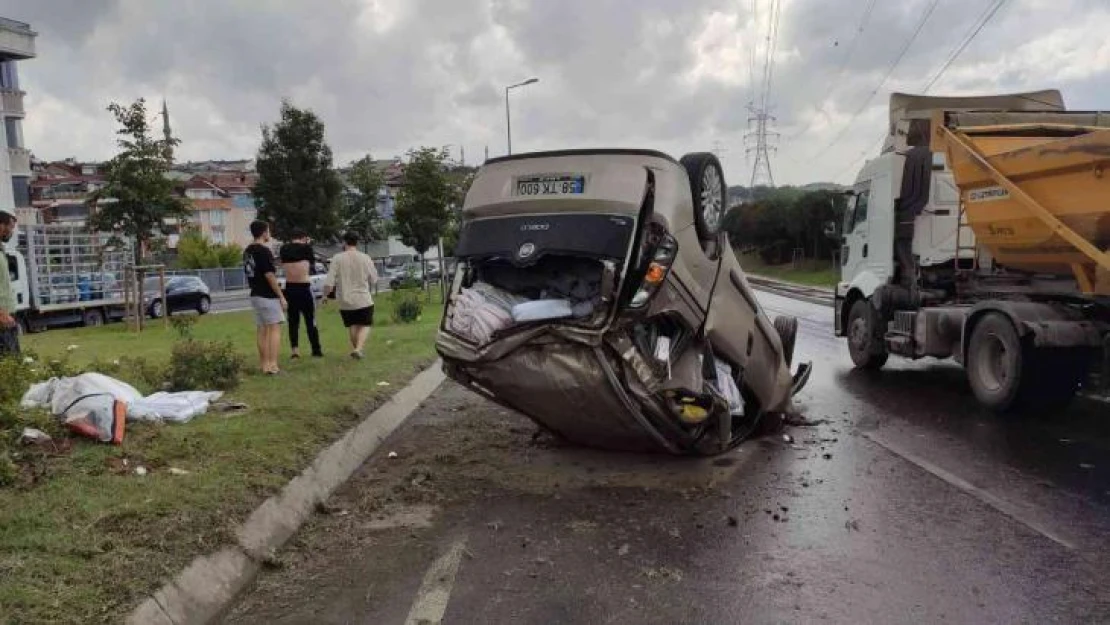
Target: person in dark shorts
<point>298,260</point>
<point>267,299</point>
<point>352,276</point>
<point>9,327</point>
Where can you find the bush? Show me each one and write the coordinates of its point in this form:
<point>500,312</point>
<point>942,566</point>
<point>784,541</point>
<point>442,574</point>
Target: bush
<point>205,366</point>
<point>408,306</point>
<point>183,325</point>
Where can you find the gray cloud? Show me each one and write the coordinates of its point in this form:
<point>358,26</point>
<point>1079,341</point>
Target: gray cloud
<point>387,75</point>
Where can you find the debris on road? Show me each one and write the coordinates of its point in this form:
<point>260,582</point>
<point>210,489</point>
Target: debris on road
<point>34,436</point>
<point>795,419</point>
<point>623,551</point>
<point>733,521</point>
<point>827,456</point>
<point>392,455</point>
<point>788,439</point>
<point>851,525</point>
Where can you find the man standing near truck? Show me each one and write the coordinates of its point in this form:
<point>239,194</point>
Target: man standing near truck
<point>298,259</point>
<point>9,327</point>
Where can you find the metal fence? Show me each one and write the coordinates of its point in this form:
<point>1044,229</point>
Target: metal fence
<point>218,280</point>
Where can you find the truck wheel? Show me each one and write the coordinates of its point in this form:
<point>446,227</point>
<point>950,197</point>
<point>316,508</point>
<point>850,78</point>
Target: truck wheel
<point>707,185</point>
<point>787,327</point>
<point>997,367</point>
<point>866,349</point>
<point>92,318</point>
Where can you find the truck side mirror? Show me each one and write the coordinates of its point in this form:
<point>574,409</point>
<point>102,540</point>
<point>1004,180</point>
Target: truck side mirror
<point>831,231</point>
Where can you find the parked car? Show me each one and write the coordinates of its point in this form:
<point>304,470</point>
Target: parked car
<point>183,293</point>
<point>604,302</point>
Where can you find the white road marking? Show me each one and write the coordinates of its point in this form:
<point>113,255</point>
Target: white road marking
<point>1005,507</point>
<point>435,592</point>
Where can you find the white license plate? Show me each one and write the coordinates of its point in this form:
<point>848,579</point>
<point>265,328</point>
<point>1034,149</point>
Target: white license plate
<point>551,185</point>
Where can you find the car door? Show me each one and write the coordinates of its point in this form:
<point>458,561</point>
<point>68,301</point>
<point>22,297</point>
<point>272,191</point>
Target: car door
<point>175,294</point>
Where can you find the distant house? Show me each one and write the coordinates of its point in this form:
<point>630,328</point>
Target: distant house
<point>59,190</point>
<point>217,211</point>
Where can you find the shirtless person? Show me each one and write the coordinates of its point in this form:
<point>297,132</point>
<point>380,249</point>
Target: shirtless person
<point>298,259</point>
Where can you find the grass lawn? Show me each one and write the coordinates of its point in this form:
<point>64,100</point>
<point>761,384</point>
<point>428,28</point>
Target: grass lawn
<point>89,540</point>
<point>808,272</point>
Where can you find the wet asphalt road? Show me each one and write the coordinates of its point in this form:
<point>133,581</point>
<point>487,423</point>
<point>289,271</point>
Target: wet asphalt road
<point>909,505</point>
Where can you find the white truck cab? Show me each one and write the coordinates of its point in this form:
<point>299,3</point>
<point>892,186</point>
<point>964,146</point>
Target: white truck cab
<point>915,281</point>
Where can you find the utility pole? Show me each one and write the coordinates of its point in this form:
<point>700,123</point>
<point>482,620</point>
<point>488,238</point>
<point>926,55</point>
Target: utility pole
<point>758,141</point>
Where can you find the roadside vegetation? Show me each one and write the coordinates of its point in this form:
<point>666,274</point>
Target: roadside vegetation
<point>781,233</point>
<point>88,529</point>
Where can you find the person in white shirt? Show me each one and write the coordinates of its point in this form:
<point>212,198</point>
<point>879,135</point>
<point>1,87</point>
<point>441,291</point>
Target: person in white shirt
<point>351,277</point>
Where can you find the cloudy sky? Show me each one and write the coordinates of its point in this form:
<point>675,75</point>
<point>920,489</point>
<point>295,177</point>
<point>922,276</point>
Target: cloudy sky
<point>676,75</point>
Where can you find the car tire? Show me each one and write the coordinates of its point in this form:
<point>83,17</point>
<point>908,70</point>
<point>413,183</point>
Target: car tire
<point>156,309</point>
<point>708,191</point>
<point>204,305</point>
<point>92,318</point>
<point>787,327</point>
<point>864,346</point>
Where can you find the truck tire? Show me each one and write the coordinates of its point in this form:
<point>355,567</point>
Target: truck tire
<point>997,364</point>
<point>787,327</point>
<point>92,318</point>
<point>710,195</point>
<point>864,345</point>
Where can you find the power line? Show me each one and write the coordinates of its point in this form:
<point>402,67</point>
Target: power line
<point>760,106</point>
<point>875,91</point>
<point>976,27</point>
<point>984,18</point>
<point>851,48</point>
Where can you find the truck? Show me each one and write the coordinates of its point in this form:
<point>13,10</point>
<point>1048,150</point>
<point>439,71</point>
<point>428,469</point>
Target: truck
<point>981,234</point>
<point>66,275</point>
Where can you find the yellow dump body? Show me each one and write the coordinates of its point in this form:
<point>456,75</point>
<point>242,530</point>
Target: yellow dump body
<point>1037,195</point>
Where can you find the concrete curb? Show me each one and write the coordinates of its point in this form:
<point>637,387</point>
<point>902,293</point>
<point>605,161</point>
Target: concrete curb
<point>209,585</point>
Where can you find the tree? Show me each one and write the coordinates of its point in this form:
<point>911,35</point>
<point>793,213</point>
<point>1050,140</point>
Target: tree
<point>137,199</point>
<point>194,251</point>
<point>297,187</point>
<point>360,215</point>
<point>784,219</point>
<point>461,179</point>
<point>423,205</point>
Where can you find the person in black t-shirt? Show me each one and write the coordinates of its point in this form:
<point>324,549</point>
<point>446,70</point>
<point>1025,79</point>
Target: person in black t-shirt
<point>297,259</point>
<point>267,299</point>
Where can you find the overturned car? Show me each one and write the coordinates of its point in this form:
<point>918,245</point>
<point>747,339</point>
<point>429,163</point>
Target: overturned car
<point>596,294</point>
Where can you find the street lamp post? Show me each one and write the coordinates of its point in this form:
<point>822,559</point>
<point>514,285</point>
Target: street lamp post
<point>508,117</point>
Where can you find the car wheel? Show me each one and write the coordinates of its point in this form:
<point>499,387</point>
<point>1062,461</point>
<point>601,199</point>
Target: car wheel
<point>156,309</point>
<point>787,327</point>
<point>707,185</point>
<point>866,350</point>
<point>204,305</point>
<point>92,318</point>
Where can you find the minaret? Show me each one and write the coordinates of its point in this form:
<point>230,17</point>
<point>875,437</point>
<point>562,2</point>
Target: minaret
<point>166,131</point>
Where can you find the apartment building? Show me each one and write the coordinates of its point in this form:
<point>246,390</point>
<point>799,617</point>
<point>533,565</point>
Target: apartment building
<point>17,43</point>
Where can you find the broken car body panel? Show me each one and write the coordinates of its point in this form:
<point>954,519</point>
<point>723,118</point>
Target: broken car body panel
<point>587,298</point>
